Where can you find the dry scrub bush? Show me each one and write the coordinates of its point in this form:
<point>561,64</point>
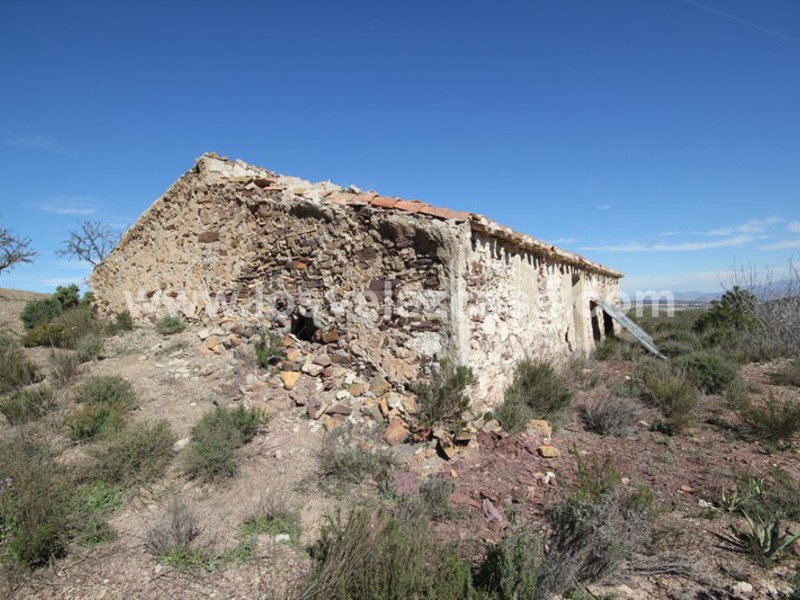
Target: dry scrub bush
<point>344,462</point>
<point>608,415</point>
<point>670,392</point>
<point>170,324</point>
<point>373,555</point>
<point>174,532</point>
<point>64,366</point>
<point>537,391</point>
<point>15,370</point>
<point>136,455</point>
<point>28,404</point>
<point>787,375</point>
<point>589,537</point>
<point>777,421</point>
<point>89,347</point>
<point>215,439</point>
<point>443,400</point>
<point>709,372</point>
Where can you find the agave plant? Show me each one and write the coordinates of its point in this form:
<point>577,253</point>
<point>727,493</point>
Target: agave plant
<point>757,485</point>
<point>732,501</point>
<point>764,541</point>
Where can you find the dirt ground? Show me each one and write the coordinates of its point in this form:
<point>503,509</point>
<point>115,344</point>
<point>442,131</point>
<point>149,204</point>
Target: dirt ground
<point>178,378</point>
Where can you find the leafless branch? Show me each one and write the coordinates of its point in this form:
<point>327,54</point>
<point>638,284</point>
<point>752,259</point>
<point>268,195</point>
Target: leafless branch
<point>92,242</point>
<point>14,250</point>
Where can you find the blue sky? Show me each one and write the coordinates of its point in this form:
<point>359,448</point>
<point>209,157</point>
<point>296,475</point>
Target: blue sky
<point>660,137</point>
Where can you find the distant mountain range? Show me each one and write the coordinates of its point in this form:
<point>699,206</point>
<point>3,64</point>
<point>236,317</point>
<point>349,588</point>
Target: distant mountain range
<point>693,297</point>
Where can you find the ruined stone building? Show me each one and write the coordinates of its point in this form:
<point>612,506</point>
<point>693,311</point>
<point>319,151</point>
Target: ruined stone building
<point>391,283</point>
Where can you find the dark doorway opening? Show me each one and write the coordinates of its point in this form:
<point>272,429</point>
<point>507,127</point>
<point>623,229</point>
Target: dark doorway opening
<point>608,324</point>
<point>303,327</point>
<point>595,322</point>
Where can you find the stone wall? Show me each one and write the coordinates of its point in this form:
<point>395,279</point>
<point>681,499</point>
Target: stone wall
<point>520,303</point>
<point>389,291</point>
<point>373,283</point>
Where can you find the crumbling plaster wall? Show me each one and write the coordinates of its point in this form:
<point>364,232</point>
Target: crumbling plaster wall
<point>518,303</point>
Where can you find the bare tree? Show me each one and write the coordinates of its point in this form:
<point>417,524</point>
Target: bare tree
<point>14,250</point>
<point>92,242</point>
<point>777,310</point>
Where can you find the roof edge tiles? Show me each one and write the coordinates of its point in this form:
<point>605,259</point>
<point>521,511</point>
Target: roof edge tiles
<point>477,222</point>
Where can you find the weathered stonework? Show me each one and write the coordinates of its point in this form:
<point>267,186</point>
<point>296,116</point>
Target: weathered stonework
<point>390,284</point>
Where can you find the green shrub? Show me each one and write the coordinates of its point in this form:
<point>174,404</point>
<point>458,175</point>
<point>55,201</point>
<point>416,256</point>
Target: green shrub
<point>591,539</point>
<point>78,322</point>
<point>672,393</point>
<point>273,517</point>
<point>28,405</point>
<point>787,375</point>
<point>435,493</point>
<point>610,415</point>
<point>47,334</point>
<point>64,367</point>
<point>89,347</point>
<point>343,462</point>
<point>443,400</point>
<point>513,414</point>
<point>735,310</point>
<point>617,348</point>
<point>123,321</point>
<point>15,370</point>
<point>67,296</point>
<point>38,312</point>
<point>173,536</point>
<point>269,349</point>
<point>211,453</point>
<point>709,372</point>
<point>170,324</point>
<point>36,512</point>
<point>43,505</point>
<point>536,392</point>
<point>138,454</point>
<point>373,555</point>
<point>511,569</point>
<point>777,421</point>
<point>45,311</point>
<point>109,390</point>
<point>94,421</point>
<point>675,348</point>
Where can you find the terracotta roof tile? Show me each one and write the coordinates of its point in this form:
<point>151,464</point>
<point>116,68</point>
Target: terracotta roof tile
<point>384,202</point>
<point>364,198</point>
<point>412,206</point>
<point>444,213</point>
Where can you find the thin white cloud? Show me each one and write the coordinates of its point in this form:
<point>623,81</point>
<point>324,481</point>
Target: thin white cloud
<point>561,241</point>
<point>794,227</point>
<point>682,247</point>
<point>787,245</point>
<point>669,233</point>
<point>70,205</point>
<point>68,210</point>
<point>751,226</point>
<point>604,207</point>
<point>37,141</point>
